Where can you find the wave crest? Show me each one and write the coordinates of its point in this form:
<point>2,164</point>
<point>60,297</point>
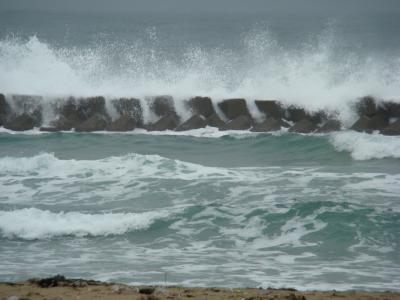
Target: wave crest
<point>132,166</point>
<point>311,75</point>
<point>33,223</point>
<point>364,146</point>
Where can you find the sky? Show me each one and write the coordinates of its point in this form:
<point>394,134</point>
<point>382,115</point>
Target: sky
<point>185,6</point>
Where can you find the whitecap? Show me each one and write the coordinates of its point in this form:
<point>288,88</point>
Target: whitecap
<point>33,223</point>
<point>363,146</point>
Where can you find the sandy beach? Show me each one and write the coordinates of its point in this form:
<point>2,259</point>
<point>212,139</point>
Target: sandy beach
<point>60,288</point>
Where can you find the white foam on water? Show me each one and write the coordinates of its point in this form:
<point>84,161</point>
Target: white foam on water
<point>33,223</point>
<point>291,259</point>
<point>132,165</point>
<point>292,233</point>
<point>363,146</point>
<point>207,132</point>
<point>44,178</point>
<point>381,185</point>
<point>34,131</point>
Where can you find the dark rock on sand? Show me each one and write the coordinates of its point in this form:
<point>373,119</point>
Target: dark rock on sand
<point>293,296</point>
<point>162,105</point>
<point>60,280</point>
<point>270,124</point>
<point>240,123</point>
<point>201,106</point>
<point>130,107</point>
<point>392,129</point>
<point>271,108</point>
<point>123,123</point>
<point>366,106</point>
<point>51,281</point>
<point>95,123</point>
<point>147,290</point>
<point>233,108</point>
<point>369,124</point>
<point>169,122</point>
<point>303,126</point>
<point>22,122</point>
<point>329,126</point>
<point>194,122</point>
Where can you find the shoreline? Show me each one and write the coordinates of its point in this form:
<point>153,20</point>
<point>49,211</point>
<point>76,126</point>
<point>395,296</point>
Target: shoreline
<point>59,287</point>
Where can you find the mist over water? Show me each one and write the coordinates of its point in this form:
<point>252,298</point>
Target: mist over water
<point>207,207</point>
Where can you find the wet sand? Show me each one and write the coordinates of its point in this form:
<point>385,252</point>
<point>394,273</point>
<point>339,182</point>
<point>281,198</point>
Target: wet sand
<point>83,289</point>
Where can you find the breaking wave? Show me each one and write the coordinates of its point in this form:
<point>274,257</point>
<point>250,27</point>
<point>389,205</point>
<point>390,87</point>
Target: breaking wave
<point>33,223</point>
<point>129,166</point>
<point>363,146</point>
<point>313,75</point>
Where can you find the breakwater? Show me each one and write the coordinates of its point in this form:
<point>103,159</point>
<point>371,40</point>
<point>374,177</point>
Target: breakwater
<point>159,113</point>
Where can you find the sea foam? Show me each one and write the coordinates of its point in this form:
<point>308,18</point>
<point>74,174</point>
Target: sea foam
<point>33,223</point>
<point>363,146</point>
<point>128,166</point>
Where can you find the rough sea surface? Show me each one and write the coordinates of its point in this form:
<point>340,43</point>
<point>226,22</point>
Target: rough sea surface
<point>202,208</point>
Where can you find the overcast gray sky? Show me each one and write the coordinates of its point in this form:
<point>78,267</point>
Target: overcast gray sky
<point>330,6</point>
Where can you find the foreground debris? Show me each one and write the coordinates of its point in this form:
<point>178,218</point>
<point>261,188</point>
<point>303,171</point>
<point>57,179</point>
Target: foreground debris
<point>59,287</point>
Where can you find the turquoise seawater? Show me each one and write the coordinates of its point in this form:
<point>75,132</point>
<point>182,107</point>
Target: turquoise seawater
<point>204,208</point>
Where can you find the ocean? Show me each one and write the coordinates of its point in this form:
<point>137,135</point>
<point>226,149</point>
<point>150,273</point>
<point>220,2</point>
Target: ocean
<point>202,207</point>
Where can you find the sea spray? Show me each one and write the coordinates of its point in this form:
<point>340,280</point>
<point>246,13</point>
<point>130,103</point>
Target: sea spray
<point>259,68</point>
